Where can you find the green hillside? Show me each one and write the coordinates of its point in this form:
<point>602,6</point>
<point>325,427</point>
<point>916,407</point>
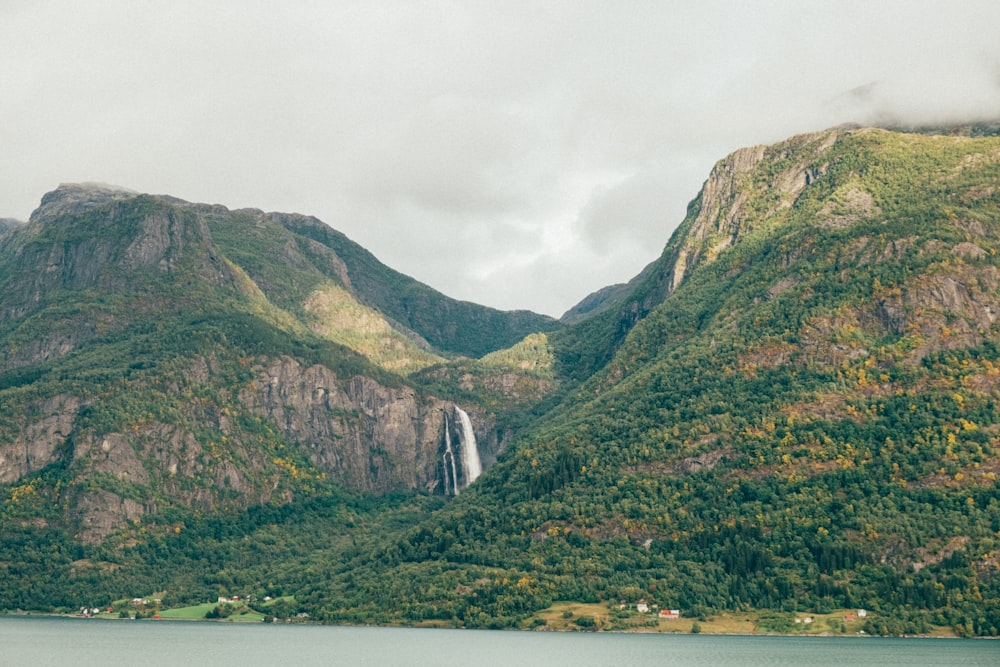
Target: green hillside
<point>455,326</point>
<point>792,412</point>
<point>807,422</point>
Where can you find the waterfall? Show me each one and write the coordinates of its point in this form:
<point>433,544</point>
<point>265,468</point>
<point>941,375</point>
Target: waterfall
<point>449,455</point>
<point>471,465</point>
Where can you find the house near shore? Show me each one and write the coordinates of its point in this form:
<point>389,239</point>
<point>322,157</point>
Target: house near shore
<point>670,614</point>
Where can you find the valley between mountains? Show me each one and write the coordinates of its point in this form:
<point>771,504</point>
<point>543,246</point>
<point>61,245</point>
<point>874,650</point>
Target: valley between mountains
<point>793,412</point>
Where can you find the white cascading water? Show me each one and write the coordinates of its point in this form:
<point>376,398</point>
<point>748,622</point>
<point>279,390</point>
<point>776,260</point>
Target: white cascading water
<point>471,465</point>
<point>449,455</point>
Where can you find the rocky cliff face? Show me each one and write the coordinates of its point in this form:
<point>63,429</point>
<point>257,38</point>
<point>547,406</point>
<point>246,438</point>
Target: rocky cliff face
<point>85,236</point>
<point>366,436</point>
<point>731,204</point>
<point>745,189</point>
<point>359,433</point>
<point>42,437</point>
<point>370,437</point>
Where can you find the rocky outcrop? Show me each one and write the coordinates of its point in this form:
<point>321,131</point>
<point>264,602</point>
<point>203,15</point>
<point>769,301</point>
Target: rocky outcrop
<point>124,234</point>
<point>367,436</point>
<point>744,190</point>
<point>75,198</point>
<point>42,438</point>
<point>730,200</point>
<point>98,513</point>
<point>112,454</point>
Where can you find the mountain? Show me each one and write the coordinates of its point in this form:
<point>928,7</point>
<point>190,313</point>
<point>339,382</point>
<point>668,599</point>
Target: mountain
<point>791,411</point>
<point>157,354</point>
<point>794,410</point>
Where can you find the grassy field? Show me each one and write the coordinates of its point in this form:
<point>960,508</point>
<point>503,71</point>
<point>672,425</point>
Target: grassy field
<point>246,617</point>
<point>197,612</point>
<point>189,613</point>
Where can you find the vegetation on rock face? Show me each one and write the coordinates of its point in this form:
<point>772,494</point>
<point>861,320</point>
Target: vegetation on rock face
<point>453,326</point>
<point>159,357</point>
<point>794,409</point>
<point>806,421</point>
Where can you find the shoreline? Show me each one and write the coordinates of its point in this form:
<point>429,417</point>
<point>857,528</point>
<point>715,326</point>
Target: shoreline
<point>545,629</point>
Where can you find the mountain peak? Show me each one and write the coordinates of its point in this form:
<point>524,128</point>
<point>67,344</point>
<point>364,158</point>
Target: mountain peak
<point>69,197</point>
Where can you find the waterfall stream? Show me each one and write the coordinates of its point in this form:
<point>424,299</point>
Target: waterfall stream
<point>471,465</point>
<point>449,456</point>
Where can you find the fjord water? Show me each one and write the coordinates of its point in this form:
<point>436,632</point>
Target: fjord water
<point>43,641</point>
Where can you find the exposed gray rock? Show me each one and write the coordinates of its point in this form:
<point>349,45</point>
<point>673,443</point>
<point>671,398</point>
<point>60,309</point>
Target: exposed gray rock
<point>98,513</point>
<point>367,436</point>
<point>74,197</point>
<point>42,438</point>
<point>92,237</point>
<point>114,454</point>
<point>724,216</point>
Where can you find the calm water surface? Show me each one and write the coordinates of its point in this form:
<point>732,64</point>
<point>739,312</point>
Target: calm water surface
<point>62,641</point>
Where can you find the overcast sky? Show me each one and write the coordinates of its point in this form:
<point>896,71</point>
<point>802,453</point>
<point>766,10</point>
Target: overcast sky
<point>516,154</point>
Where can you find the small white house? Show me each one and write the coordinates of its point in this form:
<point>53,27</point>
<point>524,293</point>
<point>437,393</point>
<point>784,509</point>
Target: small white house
<point>862,613</point>
<point>642,607</point>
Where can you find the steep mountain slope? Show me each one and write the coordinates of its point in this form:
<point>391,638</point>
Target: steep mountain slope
<point>7,224</point>
<point>796,411</point>
<point>456,326</point>
<point>742,190</point>
<point>157,354</point>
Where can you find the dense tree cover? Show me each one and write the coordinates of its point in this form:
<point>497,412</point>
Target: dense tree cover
<point>187,556</point>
